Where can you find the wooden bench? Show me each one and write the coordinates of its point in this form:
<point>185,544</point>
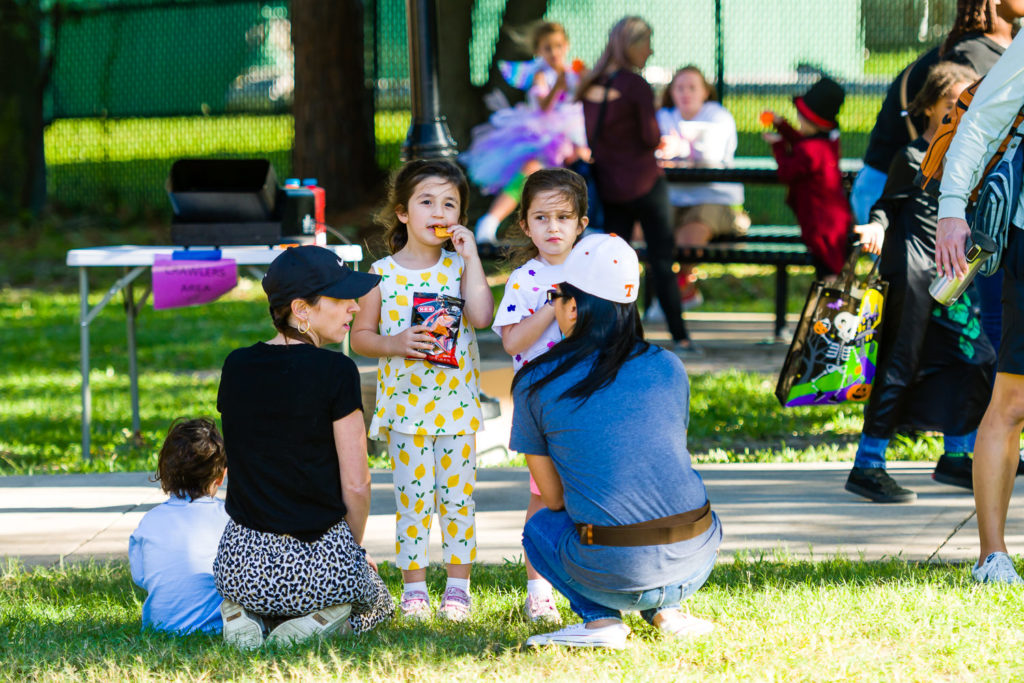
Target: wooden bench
<point>751,252</point>
<point>774,245</point>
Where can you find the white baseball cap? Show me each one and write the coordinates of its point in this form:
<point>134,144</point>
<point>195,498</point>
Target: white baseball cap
<point>602,265</point>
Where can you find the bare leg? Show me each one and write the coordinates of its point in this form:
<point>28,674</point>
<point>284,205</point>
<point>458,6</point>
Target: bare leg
<point>996,456</point>
<point>690,235</point>
<point>414,575</point>
<point>459,571</point>
<point>504,204</point>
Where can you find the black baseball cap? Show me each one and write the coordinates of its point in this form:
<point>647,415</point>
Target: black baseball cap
<point>303,272</point>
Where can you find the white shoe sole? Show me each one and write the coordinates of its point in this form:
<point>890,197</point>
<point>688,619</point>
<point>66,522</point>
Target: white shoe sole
<point>572,642</point>
<point>319,624</point>
<point>240,630</point>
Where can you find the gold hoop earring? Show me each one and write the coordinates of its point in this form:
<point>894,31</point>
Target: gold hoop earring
<point>303,331</point>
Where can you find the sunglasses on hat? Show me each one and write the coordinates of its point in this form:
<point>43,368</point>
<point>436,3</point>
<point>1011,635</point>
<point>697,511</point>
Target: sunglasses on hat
<point>553,294</point>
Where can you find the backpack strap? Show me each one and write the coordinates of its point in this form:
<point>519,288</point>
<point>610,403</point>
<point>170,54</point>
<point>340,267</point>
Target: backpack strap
<point>911,129</point>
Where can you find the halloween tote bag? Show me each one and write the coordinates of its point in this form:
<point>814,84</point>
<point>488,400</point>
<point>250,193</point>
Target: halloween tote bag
<point>832,358</point>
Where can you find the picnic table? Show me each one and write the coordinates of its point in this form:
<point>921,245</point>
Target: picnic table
<point>777,245</point>
<point>134,260</point>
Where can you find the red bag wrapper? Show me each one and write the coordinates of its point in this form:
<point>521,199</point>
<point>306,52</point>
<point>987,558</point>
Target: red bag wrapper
<point>442,316</point>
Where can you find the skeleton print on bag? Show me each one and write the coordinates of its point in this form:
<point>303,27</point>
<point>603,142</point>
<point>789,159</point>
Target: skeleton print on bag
<point>840,350</point>
<point>280,576</point>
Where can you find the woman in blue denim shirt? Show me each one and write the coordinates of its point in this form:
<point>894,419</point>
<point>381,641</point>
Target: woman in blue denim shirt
<point>602,417</point>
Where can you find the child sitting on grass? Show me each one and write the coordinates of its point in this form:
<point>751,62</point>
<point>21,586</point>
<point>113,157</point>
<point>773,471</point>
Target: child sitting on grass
<point>808,159</point>
<point>171,552</point>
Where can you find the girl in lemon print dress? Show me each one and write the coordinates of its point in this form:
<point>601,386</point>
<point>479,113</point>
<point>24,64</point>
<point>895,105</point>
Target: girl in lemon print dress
<point>427,413</point>
<point>553,213</point>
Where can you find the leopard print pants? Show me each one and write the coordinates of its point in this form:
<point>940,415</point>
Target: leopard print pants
<point>280,576</point>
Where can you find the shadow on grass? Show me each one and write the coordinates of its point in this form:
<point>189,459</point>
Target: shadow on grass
<point>87,616</point>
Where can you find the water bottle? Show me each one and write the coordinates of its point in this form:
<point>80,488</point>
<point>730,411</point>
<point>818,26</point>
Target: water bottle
<point>320,197</point>
<point>947,289</point>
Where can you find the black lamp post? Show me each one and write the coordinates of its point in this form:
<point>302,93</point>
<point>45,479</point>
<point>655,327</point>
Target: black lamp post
<point>429,137</point>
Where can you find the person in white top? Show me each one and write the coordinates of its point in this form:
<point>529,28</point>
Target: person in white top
<point>699,131</point>
<point>996,460</point>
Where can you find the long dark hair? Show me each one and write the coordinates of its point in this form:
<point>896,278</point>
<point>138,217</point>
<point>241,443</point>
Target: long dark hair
<point>972,16</point>
<point>610,330</point>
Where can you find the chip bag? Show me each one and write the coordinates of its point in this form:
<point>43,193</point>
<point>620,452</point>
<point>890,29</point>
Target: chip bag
<point>442,316</point>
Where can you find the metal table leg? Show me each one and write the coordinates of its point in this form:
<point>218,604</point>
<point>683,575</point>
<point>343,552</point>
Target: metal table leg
<point>83,294</point>
<point>133,367</point>
<point>87,316</point>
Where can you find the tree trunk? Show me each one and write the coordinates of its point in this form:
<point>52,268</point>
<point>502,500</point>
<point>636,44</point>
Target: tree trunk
<point>22,174</point>
<point>333,107</point>
<point>461,101</point>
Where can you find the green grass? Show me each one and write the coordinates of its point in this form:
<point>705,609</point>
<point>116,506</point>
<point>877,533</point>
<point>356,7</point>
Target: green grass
<point>735,415</point>
<point>778,619</point>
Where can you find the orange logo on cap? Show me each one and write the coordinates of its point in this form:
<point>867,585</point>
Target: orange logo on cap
<point>629,289</point>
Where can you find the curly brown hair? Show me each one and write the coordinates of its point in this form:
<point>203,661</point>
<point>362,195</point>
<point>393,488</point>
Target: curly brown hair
<point>403,185</point>
<point>191,459</point>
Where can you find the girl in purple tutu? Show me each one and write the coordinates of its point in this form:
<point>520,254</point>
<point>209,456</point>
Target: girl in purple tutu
<point>545,131</point>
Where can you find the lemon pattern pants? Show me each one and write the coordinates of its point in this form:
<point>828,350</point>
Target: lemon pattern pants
<point>433,472</point>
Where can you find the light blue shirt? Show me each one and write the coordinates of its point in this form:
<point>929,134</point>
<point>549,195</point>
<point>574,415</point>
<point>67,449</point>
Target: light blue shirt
<point>622,459</point>
<point>171,555</point>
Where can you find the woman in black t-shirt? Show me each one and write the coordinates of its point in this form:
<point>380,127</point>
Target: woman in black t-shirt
<point>299,490</point>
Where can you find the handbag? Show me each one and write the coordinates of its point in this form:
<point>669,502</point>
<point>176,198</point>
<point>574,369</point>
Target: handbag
<point>595,208</point>
<point>833,356</point>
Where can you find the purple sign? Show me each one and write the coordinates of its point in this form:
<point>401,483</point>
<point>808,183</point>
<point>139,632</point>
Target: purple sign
<point>178,283</point>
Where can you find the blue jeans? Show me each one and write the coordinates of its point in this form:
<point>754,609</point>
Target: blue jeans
<point>866,190</point>
<point>542,537</point>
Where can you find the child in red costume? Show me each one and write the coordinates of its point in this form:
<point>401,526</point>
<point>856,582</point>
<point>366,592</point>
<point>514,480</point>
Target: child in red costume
<point>808,160</point>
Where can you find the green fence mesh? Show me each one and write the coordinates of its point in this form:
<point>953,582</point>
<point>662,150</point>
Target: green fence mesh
<point>137,83</point>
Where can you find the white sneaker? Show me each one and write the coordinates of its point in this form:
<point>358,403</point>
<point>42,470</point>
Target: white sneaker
<point>682,625</point>
<point>241,629</point>
<point>319,624</point>
<point>997,568</point>
<point>578,635</point>
<point>654,314</point>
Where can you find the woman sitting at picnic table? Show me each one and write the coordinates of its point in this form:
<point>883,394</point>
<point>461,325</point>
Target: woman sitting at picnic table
<point>602,417</point>
<point>290,560</point>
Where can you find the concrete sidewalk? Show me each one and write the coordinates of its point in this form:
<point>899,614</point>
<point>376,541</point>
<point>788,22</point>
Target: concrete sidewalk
<point>799,509</point>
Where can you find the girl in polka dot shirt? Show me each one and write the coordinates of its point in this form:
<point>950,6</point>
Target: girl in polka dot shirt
<point>428,413</point>
<point>553,214</point>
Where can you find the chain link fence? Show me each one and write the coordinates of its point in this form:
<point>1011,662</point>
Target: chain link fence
<point>136,84</point>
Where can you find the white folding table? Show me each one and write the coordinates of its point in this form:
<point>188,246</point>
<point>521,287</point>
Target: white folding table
<point>136,260</point>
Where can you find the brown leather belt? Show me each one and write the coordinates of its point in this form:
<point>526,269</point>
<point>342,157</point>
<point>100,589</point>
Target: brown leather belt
<point>681,527</point>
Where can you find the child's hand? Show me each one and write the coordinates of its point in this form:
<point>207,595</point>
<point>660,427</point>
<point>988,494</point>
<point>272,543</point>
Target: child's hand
<point>372,562</point>
<point>413,342</point>
<point>872,235</point>
<point>464,241</point>
<point>771,138</point>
